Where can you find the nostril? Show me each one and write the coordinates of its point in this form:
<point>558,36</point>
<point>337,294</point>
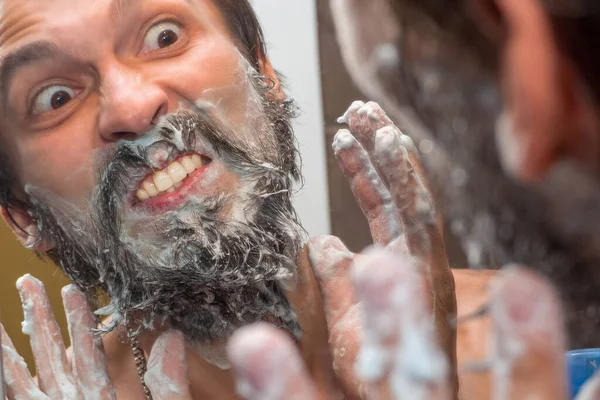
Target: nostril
<point>129,136</point>
<point>162,110</point>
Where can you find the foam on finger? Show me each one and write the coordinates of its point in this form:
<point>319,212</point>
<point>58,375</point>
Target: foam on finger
<point>528,338</point>
<point>47,344</point>
<point>268,366</point>
<point>367,186</point>
<point>17,379</point>
<point>166,376</point>
<point>400,347</point>
<point>89,362</point>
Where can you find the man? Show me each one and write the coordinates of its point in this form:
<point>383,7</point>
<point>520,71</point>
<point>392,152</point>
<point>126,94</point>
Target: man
<point>147,150</point>
<point>443,65</point>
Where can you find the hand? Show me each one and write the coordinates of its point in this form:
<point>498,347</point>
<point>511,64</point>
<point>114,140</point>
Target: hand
<point>387,180</point>
<point>399,358</point>
<point>87,378</point>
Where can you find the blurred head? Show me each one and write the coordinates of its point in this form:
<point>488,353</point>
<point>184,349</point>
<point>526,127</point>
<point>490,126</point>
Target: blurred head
<point>147,149</point>
<point>538,54</point>
<point>503,96</point>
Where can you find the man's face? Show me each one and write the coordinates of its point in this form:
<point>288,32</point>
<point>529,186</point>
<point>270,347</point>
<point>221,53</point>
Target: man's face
<point>78,77</point>
<point>158,163</point>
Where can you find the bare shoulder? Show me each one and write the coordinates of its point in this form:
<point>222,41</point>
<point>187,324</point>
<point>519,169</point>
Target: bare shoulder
<point>471,288</point>
<point>473,336</point>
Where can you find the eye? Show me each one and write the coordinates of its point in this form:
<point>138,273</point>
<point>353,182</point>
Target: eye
<point>52,98</point>
<point>161,35</point>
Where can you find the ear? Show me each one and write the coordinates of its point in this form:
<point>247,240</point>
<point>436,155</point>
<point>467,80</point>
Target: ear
<point>549,114</point>
<point>267,70</point>
<point>24,227</point>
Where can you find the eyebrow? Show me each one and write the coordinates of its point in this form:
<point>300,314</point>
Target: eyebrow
<point>119,8</point>
<point>22,57</point>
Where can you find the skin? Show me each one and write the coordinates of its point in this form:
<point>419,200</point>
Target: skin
<point>104,112</point>
<point>119,88</point>
<point>327,313</point>
<point>554,119</point>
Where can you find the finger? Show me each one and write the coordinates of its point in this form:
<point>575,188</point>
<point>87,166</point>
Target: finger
<point>415,208</point>
<point>53,371</point>
<point>369,190</point>
<point>528,339</point>
<point>364,121</point>
<point>400,357</point>
<point>591,389</point>
<point>89,361</point>
<point>17,380</point>
<point>268,366</point>
<point>167,374</point>
<point>331,262</point>
<point>413,203</point>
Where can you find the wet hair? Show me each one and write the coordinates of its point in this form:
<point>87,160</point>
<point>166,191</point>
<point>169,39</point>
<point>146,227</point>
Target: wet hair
<point>245,29</point>
<point>576,26</point>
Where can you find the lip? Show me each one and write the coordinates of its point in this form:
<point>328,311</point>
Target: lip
<point>170,201</point>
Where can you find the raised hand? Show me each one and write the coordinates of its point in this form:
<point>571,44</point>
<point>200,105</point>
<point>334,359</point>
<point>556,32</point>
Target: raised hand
<point>386,177</point>
<point>399,357</point>
<point>86,376</point>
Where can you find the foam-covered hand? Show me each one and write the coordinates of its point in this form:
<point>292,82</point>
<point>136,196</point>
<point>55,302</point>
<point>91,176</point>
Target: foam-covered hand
<point>86,375</point>
<point>386,178</point>
<point>399,358</point>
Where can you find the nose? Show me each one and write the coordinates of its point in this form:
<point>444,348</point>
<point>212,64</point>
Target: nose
<point>130,105</point>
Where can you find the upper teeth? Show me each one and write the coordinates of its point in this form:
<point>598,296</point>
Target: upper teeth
<point>170,178</point>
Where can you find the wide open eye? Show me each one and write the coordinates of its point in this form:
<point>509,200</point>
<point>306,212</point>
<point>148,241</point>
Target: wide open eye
<point>162,35</point>
<point>52,98</point>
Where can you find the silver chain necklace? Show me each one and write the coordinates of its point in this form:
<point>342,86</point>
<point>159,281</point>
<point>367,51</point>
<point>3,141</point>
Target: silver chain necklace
<point>140,361</point>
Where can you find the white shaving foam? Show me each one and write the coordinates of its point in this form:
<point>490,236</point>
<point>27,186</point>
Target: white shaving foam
<point>354,107</point>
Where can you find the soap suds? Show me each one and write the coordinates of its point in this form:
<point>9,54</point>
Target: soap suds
<point>399,332</point>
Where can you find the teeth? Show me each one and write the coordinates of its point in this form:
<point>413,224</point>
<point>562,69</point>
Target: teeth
<point>197,160</point>
<point>150,188</point>
<point>142,195</point>
<point>163,181</point>
<point>177,172</point>
<point>170,178</point>
<point>188,164</point>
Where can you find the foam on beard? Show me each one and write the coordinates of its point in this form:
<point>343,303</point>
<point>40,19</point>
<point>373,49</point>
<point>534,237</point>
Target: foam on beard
<point>192,268</point>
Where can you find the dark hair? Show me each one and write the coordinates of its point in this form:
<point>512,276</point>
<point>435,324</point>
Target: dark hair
<point>576,26</point>
<point>246,32</point>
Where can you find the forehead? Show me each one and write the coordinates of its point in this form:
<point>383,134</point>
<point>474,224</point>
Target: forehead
<point>24,20</point>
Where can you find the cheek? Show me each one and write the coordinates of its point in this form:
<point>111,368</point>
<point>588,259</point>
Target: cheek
<point>60,162</point>
<point>213,72</point>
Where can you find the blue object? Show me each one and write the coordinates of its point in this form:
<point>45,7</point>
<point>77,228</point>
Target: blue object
<point>581,365</point>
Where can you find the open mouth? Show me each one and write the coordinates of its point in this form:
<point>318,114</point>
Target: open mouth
<point>170,178</point>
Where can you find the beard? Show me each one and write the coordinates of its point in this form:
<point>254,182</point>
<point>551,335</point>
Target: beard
<point>200,269</point>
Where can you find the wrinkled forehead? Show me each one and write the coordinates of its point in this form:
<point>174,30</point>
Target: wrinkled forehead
<point>88,22</point>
